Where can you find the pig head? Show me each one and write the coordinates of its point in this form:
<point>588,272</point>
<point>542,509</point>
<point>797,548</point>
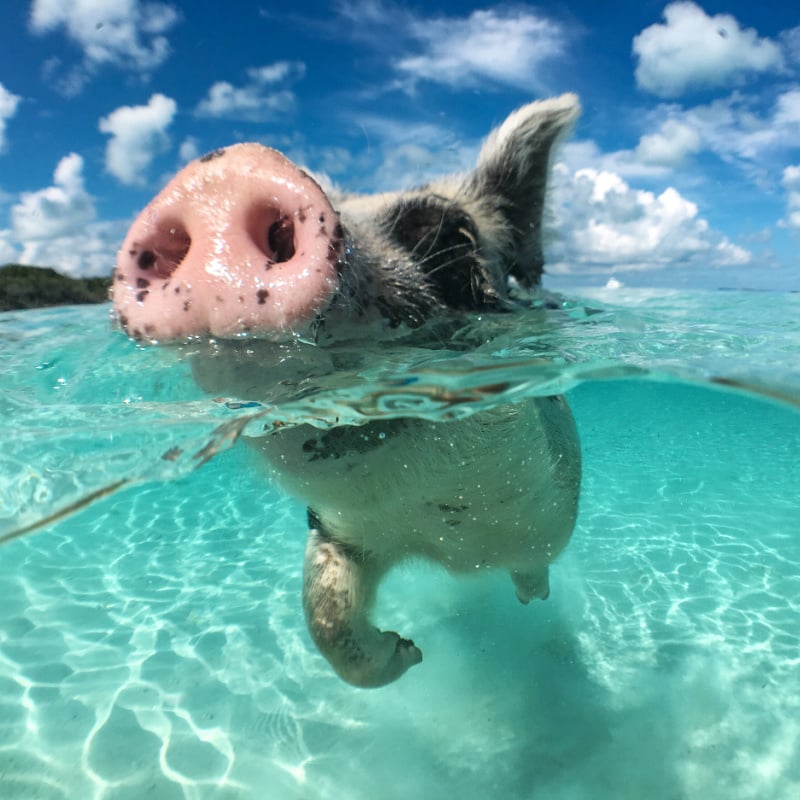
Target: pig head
<point>243,241</point>
<point>244,246</point>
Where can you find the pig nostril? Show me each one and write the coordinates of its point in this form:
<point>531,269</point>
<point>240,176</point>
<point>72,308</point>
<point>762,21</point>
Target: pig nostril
<point>272,230</point>
<point>280,238</point>
<point>161,255</point>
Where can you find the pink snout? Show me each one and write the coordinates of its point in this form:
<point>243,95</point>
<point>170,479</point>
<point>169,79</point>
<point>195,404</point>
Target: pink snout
<point>240,241</point>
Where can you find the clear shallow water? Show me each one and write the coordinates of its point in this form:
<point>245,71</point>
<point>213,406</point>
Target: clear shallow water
<point>152,645</point>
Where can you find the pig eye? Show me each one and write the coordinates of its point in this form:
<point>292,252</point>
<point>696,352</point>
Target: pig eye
<point>434,231</point>
<point>442,240</point>
<point>280,238</point>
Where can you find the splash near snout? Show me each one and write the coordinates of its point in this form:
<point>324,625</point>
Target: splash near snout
<point>240,241</point>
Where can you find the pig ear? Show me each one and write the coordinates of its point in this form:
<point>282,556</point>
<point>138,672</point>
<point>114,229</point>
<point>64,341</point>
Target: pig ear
<point>511,178</point>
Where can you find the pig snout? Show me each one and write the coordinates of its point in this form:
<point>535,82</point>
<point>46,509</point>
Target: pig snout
<point>240,241</point>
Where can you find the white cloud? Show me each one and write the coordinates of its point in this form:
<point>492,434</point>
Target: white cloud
<point>125,33</point>
<point>138,134</point>
<point>324,162</point>
<point>55,227</point>
<point>790,40</point>
<point>604,225</point>
<point>737,129</point>
<point>263,96</point>
<point>89,252</point>
<point>404,153</point>
<point>277,72</point>
<point>627,164</point>
<point>730,128</point>
<point>506,47</point>
<point>787,110</point>
<point>670,145</point>
<point>189,150</point>
<point>8,107</point>
<point>60,209</point>
<point>791,182</point>
<point>362,14</point>
<point>8,250</point>
<point>694,50</point>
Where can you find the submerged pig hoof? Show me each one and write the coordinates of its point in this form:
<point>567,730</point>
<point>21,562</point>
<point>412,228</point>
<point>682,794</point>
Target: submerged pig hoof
<point>406,654</point>
<point>530,584</point>
<point>396,655</point>
<point>526,599</point>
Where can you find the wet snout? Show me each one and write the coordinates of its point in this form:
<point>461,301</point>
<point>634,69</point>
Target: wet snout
<point>240,241</point>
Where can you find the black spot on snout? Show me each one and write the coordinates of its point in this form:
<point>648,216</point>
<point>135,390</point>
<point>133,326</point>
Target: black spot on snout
<point>262,295</point>
<point>212,155</point>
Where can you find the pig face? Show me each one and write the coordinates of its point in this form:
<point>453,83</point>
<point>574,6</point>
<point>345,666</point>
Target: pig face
<point>242,241</point>
<point>244,245</point>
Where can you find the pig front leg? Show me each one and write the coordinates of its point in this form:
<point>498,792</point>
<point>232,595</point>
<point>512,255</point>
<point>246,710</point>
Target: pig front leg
<point>338,590</point>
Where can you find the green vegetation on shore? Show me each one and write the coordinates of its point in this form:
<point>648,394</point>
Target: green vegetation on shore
<point>36,287</point>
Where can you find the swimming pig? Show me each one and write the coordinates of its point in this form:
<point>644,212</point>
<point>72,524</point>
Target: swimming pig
<point>242,246</point>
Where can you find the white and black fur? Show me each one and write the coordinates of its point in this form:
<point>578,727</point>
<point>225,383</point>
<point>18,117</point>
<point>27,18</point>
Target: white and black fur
<point>498,489</point>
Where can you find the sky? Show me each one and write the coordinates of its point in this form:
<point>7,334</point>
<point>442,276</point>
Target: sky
<point>683,171</point>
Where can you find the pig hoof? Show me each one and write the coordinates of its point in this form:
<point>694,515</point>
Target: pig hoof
<point>408,652</point>
<point>404,654</point>
<point>393,657</point>
<point>530,584</point>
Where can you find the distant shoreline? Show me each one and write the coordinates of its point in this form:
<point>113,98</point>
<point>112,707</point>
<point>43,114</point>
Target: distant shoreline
<point>23,287</point>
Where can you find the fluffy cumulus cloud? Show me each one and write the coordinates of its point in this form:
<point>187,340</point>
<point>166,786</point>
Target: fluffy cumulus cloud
<point>604,225</point>
<point>56,226</point>
<point>674,139</point>
<point>264,95</point>
<point>138,135</point>
<point>8,107</point>
<point>87,253</point>
<point>694,50</point>
<point>504,46</point>
<point>670,146</point>
<point>125,33</point>
<point>791,182</point>
<point>8,251</point>
<point>739,131</point>
<point>58,210</point>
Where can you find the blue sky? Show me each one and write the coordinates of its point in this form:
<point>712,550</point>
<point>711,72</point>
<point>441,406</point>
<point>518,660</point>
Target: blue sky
<point>683,171</point>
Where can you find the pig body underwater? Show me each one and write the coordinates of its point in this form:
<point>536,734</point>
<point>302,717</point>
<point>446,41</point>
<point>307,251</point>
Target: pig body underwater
<point>242,245</point>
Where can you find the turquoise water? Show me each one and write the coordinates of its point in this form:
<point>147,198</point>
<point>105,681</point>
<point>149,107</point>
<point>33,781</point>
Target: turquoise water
<point>152,643</point>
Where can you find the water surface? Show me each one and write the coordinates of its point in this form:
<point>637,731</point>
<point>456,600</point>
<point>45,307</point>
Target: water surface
<point>152,643</point>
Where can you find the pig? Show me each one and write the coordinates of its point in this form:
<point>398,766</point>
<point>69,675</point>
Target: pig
<point>243,249</point>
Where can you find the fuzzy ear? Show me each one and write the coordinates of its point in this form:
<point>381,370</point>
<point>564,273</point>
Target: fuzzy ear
<point>511,178</point>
